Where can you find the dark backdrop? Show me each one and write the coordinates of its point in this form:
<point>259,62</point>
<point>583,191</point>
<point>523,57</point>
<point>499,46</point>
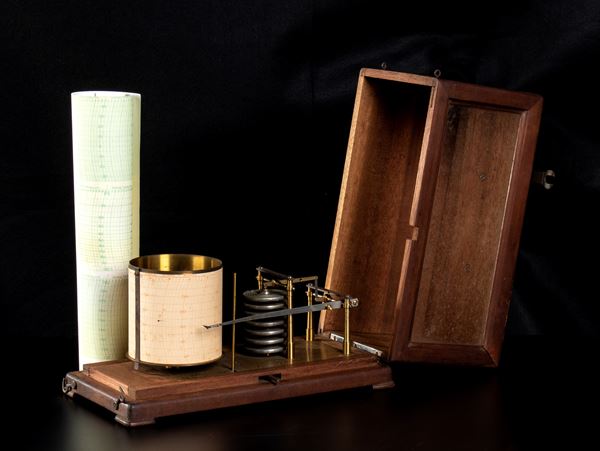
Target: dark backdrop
<point>246,109</point>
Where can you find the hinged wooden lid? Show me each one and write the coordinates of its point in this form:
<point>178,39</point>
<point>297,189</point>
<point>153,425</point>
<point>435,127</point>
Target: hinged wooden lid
<point>429,217</point>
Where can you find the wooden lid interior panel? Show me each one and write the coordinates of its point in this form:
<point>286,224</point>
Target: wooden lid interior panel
<point>464,274</point>
<point>465,227</point>
<point>375,202</point>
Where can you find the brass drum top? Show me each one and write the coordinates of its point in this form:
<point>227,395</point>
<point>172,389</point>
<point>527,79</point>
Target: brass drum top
<point>175,263</point>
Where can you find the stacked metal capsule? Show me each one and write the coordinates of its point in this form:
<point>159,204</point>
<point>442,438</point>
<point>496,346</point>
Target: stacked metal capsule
<point>264,337</point>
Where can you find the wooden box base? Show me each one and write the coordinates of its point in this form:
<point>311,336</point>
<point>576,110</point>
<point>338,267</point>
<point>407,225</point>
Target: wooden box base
<point>138,397</point>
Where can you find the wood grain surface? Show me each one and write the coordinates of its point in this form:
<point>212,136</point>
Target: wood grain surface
<point>430,213</point>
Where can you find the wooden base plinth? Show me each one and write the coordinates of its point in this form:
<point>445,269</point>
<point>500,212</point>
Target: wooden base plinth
<point>138,397</point>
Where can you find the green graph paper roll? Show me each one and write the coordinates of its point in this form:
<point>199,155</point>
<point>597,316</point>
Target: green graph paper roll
<point>106,176</point>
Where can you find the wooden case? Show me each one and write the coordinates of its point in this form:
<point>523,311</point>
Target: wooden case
<point>429,217</point>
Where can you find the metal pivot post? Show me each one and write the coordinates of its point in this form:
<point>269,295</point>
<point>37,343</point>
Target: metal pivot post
<point>309,317</point>
<point>233,326</point>
<point>290,338</point>
<point>346,325</point>
<point>259,278</point>
<point>138,315</point>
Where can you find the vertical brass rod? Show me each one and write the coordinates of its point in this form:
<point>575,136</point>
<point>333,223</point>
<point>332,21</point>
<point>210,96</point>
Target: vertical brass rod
<point>233,325</point>
<point>346,326</point>
<point>309,319</point>
<point>259,278</point>
<point>138,316</point>
<point>290,338</point>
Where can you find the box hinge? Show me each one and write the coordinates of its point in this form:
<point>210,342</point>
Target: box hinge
<point>355,344</point>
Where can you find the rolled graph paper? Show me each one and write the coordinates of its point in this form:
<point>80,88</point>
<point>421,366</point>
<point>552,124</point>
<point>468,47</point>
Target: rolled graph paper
<point>106,176</point>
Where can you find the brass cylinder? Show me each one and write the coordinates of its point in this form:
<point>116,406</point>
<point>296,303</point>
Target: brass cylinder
<point>176,294</point>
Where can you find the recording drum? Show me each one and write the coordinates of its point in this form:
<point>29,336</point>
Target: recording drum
<point>171,297</point>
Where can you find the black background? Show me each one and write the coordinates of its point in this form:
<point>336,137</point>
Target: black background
<point>246,110</point>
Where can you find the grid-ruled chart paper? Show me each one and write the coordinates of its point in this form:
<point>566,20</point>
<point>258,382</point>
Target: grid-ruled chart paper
<point>174,310</point>
<point>106,152</point>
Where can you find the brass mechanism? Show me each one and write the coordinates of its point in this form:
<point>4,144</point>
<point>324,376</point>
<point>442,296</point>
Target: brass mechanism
<point>267,278</point>
<point>272,283</point>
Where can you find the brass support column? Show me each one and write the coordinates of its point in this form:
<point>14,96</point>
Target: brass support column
<point>346,326</point>
<point>290,338</point>
<point>233,325</point>
<point>309,318</point>
<point>138,316</point>
<point>259,277</point>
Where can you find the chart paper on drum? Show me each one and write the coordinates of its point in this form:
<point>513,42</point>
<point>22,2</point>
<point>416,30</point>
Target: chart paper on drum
<point>106,155</point>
